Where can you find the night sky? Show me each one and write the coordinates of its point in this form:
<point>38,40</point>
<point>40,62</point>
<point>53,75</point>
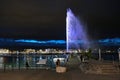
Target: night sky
<point>46,19</point>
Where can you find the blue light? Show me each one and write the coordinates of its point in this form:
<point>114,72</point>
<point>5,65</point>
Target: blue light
<point>56,41</point>
<point>107,42</point>
<point>113,40</point>
<point>31,41</point>
<point>42,42</point>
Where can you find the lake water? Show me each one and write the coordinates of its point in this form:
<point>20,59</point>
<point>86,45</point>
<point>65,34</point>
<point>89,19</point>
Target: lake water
<point>19,61</point>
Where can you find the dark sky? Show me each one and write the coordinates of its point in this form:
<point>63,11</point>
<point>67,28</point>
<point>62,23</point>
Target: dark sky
<point>46,19</point>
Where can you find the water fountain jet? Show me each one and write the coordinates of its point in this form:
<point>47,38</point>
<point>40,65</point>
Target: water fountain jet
<point>76,36</point>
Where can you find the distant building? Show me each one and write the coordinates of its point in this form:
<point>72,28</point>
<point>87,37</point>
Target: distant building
<point>4,51</point>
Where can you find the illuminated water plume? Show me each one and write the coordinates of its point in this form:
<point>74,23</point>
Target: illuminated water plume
<point>75,32</point>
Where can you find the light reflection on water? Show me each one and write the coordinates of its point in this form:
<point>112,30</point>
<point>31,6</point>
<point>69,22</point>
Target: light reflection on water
<point>16,62</point>
<point>32,59</point>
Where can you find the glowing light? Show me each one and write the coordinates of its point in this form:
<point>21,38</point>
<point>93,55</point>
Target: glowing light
<point>42,42</point>
<point>106,42</point>
<point>113,40</point>
<point>22,40</point>
<point>75,33</point>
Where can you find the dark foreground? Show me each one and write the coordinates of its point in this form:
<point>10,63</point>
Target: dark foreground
<point>73,74</point>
